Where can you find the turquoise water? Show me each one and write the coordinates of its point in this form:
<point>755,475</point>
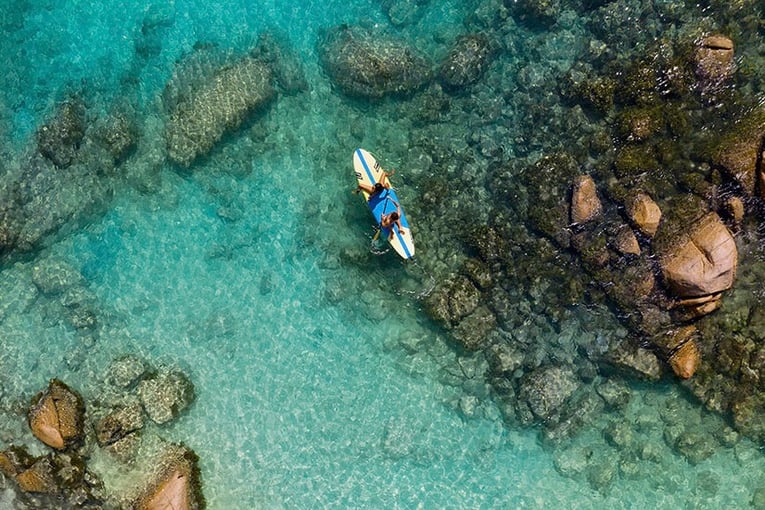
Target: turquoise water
<point>320,382</point>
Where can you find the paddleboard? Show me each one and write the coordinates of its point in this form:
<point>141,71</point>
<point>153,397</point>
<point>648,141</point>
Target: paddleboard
<point>369,172</point>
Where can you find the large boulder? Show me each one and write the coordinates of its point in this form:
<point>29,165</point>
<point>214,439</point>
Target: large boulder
<point>57,416</point>
<point>216,106</point>
<point>737,153</point>
<point>466,62</point>
<point>701,262</point>
<point>367,64</point>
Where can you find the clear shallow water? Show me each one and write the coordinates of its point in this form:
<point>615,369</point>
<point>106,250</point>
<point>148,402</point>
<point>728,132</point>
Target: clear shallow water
<point>317,385</point>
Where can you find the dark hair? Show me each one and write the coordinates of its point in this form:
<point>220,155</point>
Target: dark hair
<point>394,216</point>
<point>377,188</point>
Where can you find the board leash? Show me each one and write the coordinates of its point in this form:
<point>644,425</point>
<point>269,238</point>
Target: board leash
<point>422,293</point>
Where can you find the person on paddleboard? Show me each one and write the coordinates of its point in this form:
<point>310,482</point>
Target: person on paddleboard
<point>378,186</point>
<point>394,218</point>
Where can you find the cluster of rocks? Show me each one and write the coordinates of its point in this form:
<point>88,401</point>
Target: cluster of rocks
<point>162,475</point>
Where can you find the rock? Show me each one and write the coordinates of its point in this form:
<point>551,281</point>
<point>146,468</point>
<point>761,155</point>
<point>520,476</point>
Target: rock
<point>175,483</point>
<point>537,11</point>
<point>466,62</point>
<point>453,300</point>
<point>546,389</point>
<point>693,308</point>
<point>283,61</point>
<point>573,460</point>
<point>57,416</point>
<point>14,460</point>
<point>404,12</point>
<point>633,361</point>
<point>643,212</point>
<point>585,204</point>
<point>473,331</point>
<point>59,139</point>
<point>166,395</point>
<point>733,207</point>
<point>615,393</point>
<point>703,261</point>
<point>737,153</point>
<point>217,106</point>
<point>626,242</point>
<point>54,276</point>
<point>714,59</point>
<point>682,352</point>
<point>40,478</point>
<point>694,446</point>
<point>119,424</point>
<point>503,359</point>
<point>118,134</point>
<point>369,64</point>
<point>618,434</point>
<point>126,371</point>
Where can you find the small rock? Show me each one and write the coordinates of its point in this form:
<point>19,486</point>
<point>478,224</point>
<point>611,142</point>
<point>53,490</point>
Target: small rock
<point>119,423</point>
<point>685,356</point>
<point>39,478</point>
<point>585,204</point>
<point>57,416</point>
<point>60,139</point>
<point>466,62</point>
<point>733,208</point>
<point>626,242</point>
<point>126,370</point>
<point>546,389</point>
<point>643,212</point>
<point>615,393</point>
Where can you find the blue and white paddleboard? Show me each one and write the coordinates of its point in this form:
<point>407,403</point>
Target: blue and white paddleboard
<point>368,171</point>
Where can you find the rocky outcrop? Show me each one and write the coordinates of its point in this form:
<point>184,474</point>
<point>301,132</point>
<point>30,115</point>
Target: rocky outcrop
<point>57,416</point>
<point>466,62</point>
<point>703,261</point>
<point>216,106</point>
<point>368,64</point>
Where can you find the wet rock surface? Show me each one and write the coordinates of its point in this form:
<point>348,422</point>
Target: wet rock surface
<point>215,106</point>
<point>363,63</point>
<point>165,395</point>
<point>57,416</point>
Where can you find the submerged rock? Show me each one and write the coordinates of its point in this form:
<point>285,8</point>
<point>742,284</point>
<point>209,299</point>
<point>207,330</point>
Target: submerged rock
<point>215,107</point>
<point>367,64</point>
<point>119,423</point>
<point>126,370</point>
<point>57,416</point>
<point>166,395</point>
<point>466,62</point>
<point>546,389</point>
<point>60,139</point>
<point>713,59</point>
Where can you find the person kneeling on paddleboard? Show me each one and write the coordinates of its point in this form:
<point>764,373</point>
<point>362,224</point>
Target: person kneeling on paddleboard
<point>388,220</point>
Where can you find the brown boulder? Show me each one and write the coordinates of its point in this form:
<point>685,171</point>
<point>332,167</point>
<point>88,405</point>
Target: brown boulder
<point>39,478</point>
<point>57,416</point>
<point>703,261</point>
<point>175,485</point>
<point>643,212</point>
<point>585,204</point>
